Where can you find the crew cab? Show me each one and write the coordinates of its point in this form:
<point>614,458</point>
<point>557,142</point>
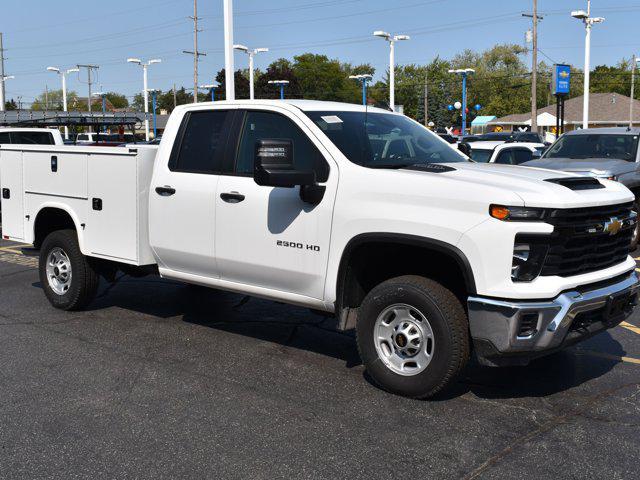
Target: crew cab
<point>352,211</point>
<point>505,153</point>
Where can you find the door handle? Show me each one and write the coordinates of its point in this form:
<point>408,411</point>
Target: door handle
<point>232,197</point>
<point>165,191</point>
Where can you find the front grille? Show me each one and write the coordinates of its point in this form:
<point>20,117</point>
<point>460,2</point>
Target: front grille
<point>580,244</point>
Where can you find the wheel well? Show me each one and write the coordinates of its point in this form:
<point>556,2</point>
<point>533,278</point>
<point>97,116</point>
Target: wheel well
<point>49,220</point>
<point>367,264</point>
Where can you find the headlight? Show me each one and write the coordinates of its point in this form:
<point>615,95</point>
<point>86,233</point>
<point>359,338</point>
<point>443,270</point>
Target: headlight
<point>529,253</point>
<point>516,214</point>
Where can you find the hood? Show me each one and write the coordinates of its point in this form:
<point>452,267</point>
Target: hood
<point>590,166</point>
<point>531,185</point>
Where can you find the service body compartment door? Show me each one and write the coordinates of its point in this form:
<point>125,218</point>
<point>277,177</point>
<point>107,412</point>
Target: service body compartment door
<point>56,173</point>
<point>112,227</point>
<point>12,194</point>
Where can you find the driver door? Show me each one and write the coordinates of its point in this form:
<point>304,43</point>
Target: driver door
<point>267,236</point>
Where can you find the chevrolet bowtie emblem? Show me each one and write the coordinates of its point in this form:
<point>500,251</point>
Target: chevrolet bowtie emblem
<point>613,226</point>
<point>564,74</point>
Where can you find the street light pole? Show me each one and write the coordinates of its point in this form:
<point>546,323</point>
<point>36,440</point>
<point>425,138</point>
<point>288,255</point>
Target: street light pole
<point>364,78</point>
<point>229,81</point>
<point>3,78</point>
<point>392,39</point>
<point>252,53</point>
<point>281,84</point>
<point>588,21</point>
<point>145,92</point>
<point>212,87</point>
<point>464,72</point>
<point>63,74</point>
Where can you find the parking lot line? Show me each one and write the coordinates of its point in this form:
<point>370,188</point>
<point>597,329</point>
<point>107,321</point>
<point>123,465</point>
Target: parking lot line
<point>631,327</point>
<point>609,356</point>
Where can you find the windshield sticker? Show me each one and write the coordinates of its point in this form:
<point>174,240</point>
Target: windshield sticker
<point>332,119</point>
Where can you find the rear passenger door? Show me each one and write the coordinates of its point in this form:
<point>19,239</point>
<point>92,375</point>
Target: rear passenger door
<point>267,236</point>
<point>182,197</point>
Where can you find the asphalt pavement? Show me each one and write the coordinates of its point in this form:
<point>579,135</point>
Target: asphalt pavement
<point>162,380</point>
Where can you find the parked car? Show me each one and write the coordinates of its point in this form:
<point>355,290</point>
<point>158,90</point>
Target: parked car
<point>505,153</point>
<point>527,137</point>
<point>607,153</point>
<point>429,256</point>
<point>30,136</point>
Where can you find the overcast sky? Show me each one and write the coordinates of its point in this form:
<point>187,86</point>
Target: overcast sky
<point>39,33</point>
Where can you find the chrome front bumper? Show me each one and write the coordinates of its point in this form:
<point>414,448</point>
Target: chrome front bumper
<point>504,330</point>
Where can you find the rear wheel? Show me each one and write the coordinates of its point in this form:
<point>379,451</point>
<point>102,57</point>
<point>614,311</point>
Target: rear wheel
<point>68,279</point>
<point>412,336</point>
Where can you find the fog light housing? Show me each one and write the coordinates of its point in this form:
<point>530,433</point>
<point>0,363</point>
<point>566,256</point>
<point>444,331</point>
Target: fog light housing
<point>529,254</point>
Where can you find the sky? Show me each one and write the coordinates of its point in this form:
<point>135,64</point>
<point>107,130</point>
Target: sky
<point>63,33</point>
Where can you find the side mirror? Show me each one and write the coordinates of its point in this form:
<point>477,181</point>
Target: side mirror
<point>536,155</point>
<point>465,148</point>
<point>273,165</point>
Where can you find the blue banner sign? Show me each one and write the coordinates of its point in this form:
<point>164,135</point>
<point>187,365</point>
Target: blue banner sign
<point>561,83</point>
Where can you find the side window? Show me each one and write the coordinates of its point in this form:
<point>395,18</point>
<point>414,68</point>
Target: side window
<point>522,155</point>
<point>269,125</point>
<point>505,157</point>
<point>5,138</point>
<point>33,138</point>
<point>201,145</point>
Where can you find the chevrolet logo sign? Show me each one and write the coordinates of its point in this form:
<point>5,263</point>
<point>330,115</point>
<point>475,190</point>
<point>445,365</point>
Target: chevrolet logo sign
<point>613,226</point>
<point>564,74</point>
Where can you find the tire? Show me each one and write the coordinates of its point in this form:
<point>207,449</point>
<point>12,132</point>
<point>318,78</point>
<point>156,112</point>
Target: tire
<point>636,234</point>
<point>68,279</point>
<point>427,304</point>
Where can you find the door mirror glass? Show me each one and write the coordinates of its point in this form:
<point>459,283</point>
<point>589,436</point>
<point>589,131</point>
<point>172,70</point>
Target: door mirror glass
<point>274,166</point>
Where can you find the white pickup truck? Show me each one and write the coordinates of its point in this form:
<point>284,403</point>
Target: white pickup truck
<point>361,213</point>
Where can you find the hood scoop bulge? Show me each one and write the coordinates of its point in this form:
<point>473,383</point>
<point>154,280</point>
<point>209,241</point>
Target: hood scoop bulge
<point>577,183</point>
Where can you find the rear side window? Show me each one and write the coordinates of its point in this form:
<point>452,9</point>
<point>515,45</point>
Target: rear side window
<point>201,148</point>
<point>5,138</point>
<point>32,138</point>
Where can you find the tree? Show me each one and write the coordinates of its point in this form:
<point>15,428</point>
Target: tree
<point>117,100</point>
<point>241,80</point>
<point>11,105</point>
<point>281,69</point>
<point>322,78</point>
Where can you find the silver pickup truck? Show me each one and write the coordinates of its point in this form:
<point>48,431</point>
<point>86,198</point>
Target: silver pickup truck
<point>610,153</point>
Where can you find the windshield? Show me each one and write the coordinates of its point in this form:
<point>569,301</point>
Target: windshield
<point>385,141</point>
<point>597,145</point>
<point>481,155</point>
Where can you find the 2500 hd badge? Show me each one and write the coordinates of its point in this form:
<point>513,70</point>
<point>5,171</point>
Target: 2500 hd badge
<point>301,246</point>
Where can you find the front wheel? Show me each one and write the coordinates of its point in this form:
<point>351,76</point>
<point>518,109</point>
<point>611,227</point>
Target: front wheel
<point>68,279</point>
<point>412,336</point>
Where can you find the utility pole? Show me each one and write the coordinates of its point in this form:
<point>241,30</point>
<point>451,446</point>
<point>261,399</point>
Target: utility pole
<point>90,68</point>
<point>196,54</point>
<point>534,66</point>
<point>2,91</point>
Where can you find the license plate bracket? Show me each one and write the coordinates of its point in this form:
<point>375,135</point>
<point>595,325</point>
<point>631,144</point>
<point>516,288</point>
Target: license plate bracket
<point>616,306</point>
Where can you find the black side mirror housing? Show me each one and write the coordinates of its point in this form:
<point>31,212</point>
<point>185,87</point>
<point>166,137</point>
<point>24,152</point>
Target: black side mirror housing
<point>536,155</point>
<point>465,148</point>
<point>273,165</point>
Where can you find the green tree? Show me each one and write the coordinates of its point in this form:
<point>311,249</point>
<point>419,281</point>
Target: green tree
<point>11,105</point>
<point>281,69</point>
<point>117,100</point>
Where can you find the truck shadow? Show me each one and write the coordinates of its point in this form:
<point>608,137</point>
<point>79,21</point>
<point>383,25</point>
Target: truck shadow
<point>545,376</point>
<point>294,327</point>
